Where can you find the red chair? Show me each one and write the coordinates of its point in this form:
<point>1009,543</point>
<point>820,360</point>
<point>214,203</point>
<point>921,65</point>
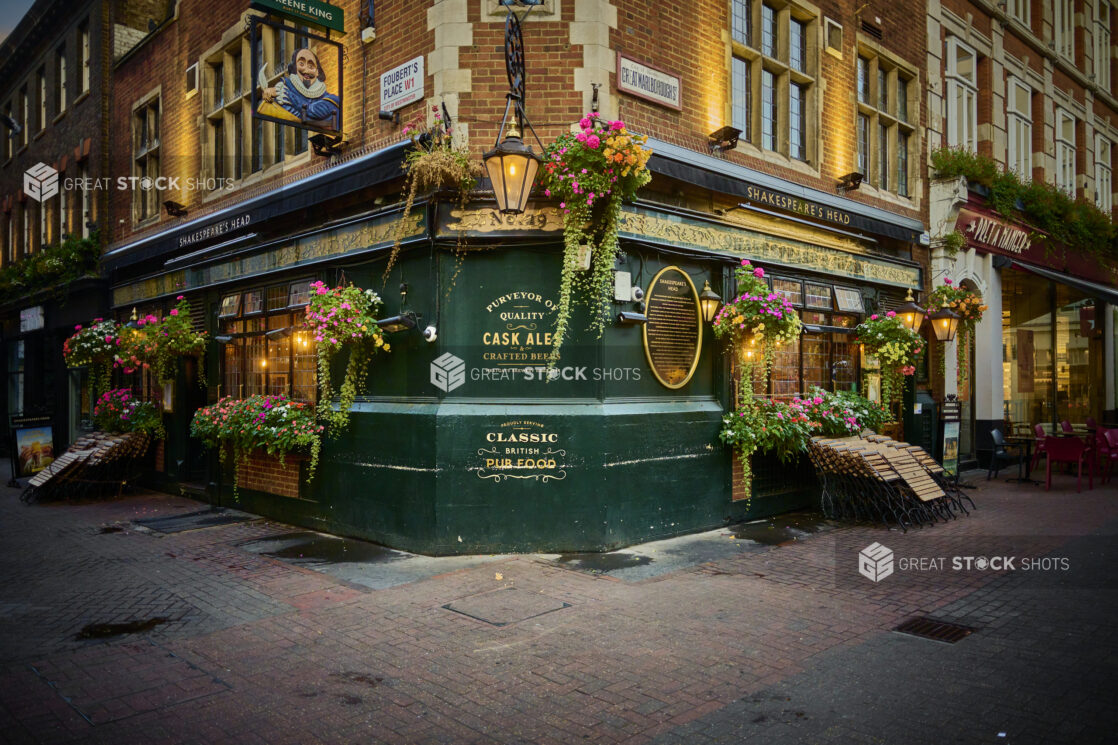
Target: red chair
<point>1069,450</point>
<point>1067,428</point>
<point>1091,423</point>
<point>1110,453</point>
<point>1038,446</point>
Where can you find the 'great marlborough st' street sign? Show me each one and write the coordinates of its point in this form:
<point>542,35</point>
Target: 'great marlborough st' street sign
<point>307,11</point>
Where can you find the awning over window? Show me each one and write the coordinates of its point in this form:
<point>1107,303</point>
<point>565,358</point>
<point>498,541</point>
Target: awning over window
<point>1102,292</point>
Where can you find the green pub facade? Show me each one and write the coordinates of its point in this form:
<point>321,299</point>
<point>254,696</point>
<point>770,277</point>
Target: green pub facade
<point>462,440</point>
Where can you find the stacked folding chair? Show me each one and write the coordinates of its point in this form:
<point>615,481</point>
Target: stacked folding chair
<point>97,465</point>
<point>878,479</point>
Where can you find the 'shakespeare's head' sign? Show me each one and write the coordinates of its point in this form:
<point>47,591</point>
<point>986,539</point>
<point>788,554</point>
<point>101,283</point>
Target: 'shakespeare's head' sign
<point>295,73</point>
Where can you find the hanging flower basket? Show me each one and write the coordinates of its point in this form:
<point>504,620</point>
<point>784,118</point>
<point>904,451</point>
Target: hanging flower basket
<point>343,318</point>
<point>895,346</point>
<point>156,344</point>
<point>758,321</point>
<point>591,173</point>
<point>967,304</point>
<point>119,410</point>
<point>95,347</point>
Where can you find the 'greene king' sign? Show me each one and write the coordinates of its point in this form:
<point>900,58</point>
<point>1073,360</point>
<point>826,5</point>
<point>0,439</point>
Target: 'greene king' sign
<point>650,83</point>
<point>309,11</point>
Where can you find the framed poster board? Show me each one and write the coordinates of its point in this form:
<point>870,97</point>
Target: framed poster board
<point>34,447</point>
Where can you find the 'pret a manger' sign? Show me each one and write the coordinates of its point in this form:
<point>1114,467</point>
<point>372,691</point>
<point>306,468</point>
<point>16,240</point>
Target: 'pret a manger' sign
<point>308,11</point>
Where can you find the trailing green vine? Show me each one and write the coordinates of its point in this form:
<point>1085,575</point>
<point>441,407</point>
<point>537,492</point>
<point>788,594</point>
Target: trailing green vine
<point>343,318</point>
<point>592,173</point>
<point>895,346</point>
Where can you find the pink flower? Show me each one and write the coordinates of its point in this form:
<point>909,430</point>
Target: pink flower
<point>108,340</point>
<point>581,137</point>
<point>563,205</point>
<point>547,192</point>
<point>908,370</point>
<point>947,281</point>
<point>758,272</point>
<point>615,126</point>
<point>593,141</point>
<point>180,297</point>
<point>873,317</point>
<point>78,327</point>
<point>584,122</point>
<point>891,314</point>
<point>174,311</point>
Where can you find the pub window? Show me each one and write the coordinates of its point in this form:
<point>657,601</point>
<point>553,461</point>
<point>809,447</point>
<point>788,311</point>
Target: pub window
<point>268,351</point>
<point>791,289</point>
<point>817,296</point>
<point>882,128</point>
<point>25,115</point>
<point>300,294</point>
<point>230,306</point>
<point>254,302</point>
<point>145,160</point>
<point>848,300</point>
<point>775,67</point>
<point>1019,9</point>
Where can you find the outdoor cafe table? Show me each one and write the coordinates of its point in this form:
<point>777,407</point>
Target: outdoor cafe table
<point>1024,462</point>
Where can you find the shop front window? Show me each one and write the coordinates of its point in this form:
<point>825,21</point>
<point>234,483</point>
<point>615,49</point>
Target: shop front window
<point>268,352</point>
<point>1051,343</point>
<point>1076,393</point>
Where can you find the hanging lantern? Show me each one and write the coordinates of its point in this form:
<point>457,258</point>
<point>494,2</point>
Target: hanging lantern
<point>911,314</point>
<point>512,168</point>
<point>709,301</point>
<point>945,323</point>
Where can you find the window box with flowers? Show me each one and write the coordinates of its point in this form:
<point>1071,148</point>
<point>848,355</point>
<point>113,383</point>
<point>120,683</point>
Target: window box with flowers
<point>274,425</point>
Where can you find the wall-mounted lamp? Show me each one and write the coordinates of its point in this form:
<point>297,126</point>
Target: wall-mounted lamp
<point>850,182</point>
<point>594,96</point>
<point>174,209</point>
<point>725,138</point>
<point>133,321</point>
<point>511,164</point>
<point>911,314</point>
<point>223,339</point>
<point>389,116</point>
<point>945,323</point>
<point>395,324</point>
<point>709,301</point>
<point>629,318</point>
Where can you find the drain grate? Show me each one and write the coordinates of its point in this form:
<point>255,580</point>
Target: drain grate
<point>940,631</point>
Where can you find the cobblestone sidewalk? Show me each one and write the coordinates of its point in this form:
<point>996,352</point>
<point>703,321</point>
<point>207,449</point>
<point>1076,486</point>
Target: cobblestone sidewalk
<point>759,644</point>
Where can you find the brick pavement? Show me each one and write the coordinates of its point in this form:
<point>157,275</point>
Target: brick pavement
<point>256,650</point>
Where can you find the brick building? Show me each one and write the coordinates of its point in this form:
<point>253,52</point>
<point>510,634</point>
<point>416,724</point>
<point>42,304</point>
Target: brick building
<point>1029,87</point>
<point>54,99</point>
<point>792,134</point>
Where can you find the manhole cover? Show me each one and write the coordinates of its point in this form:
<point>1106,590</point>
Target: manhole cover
<point>940,631</point>
<point>194,520</point>
<point>505,606</point>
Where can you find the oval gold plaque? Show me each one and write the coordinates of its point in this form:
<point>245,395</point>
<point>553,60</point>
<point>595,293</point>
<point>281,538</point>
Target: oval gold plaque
<point>673,335</point>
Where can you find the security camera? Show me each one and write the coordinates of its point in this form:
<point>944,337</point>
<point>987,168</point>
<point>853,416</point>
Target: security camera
<point>638,294</point>
<point>430,333</point>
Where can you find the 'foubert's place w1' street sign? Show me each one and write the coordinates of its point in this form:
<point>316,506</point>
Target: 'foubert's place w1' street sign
<point>307,11</point>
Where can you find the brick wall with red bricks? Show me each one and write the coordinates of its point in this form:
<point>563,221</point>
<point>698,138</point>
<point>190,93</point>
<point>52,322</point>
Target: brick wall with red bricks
<point>199,27</point>
<point>71,138</point>
<point>265,473</point>
<point>691,41</point>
